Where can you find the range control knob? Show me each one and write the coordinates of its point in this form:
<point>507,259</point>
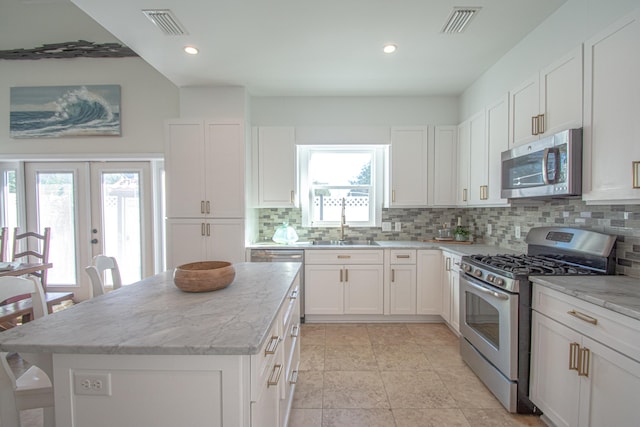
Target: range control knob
<point>478,273</point>
<point>466,267</point>
<point>498,281</point>
<point>491,278</point>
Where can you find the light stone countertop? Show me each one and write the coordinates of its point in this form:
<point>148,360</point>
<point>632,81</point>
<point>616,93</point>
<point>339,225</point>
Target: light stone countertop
<point>154,317</point>
<point>617,293</point>
<point>459,249</point>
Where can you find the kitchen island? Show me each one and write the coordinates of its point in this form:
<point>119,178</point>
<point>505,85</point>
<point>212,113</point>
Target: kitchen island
<point>150,354</point>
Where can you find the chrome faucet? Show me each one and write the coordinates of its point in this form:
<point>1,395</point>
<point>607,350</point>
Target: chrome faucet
<point>343,221</point>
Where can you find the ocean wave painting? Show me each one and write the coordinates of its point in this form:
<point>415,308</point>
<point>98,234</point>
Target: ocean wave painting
<point>65,111</point>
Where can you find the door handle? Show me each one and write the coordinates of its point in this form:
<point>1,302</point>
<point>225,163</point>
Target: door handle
<point>94,241</point>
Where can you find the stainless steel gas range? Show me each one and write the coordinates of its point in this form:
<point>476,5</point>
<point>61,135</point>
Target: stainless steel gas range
<point>495,304</point>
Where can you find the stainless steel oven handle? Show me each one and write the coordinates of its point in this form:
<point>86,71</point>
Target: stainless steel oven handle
<point>488,291</point>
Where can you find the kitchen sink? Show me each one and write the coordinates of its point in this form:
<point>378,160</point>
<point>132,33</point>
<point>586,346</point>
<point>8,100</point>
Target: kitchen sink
<point>345,243</point>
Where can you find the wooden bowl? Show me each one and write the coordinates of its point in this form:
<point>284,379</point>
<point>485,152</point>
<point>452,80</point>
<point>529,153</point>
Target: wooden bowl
<point>204,276</point>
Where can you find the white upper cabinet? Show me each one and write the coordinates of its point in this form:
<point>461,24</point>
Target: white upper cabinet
<point>497,141</point>
<point>548,102</point>
<point>463,153</point>
<point>612,108</point>
<point>409,158</point>
<point>445,167</point>
<point>478,160</point>
<point>275,168</point>
<point>204,169</point>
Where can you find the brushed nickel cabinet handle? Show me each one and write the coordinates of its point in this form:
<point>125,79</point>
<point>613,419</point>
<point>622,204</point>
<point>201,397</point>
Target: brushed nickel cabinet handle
<point>583,317</point>
<point>403,256</point>
<point>534,125</point>
<point>393,195</point>
<point>344,256</point>
<point>272,346</point>
<point>447,264</point>
<point>393,275</point>
<point>201,206</point>
<point>346,275</point>
<point>341,276</point>
<point>208,207</point>
<point>295,331</point>
<point>271,381</point>
<point>464,195</point>
<point>293,196</point>
<point>574,349</point>
<point>202,229</point>
<point>636,174</point>
<point>208,230</point>
<point>294,294</point>
<point>294,377</point>
<point>584,361</point>
<point>540,123</point>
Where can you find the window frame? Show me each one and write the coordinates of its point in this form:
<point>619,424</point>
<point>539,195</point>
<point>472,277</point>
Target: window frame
<point>376,196</point>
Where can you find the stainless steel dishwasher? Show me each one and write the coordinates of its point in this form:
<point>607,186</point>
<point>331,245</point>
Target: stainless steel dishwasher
<point>283,255</point>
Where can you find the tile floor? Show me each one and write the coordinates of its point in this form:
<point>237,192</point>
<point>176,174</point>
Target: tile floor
<point>384,375</point>
<point>390,375</point>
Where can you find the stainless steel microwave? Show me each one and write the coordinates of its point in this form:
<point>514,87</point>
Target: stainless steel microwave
<point>549,167</point>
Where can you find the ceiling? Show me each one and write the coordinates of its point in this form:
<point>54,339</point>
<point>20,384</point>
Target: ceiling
<point>299,47</point>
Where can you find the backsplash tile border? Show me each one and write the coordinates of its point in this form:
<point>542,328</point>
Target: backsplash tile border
<point>422,223</point>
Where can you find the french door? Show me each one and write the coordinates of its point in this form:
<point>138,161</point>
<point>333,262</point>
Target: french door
<point>92,208</point>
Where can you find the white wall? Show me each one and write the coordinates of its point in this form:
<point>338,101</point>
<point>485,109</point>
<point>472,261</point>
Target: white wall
<point>353,111</point>
<point>147,99</point>
<point>572,24</point>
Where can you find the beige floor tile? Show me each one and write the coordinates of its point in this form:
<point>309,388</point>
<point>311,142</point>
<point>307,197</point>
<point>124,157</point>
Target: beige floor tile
<point>305,418</point>
<point>416,389</point>
<point>500,418</point>
<point>346,334</point>
<point>357,418</point>
<point>389,334</point>
<point>349,358</point>
<point>312,334</point>
<point>401,357</point>
<point>312,358</point>
<point>308,392</point>
<point>31,418</point>
<point>430,418</point>
<point>443,356</point>
<point>432,334</point>
<point>467,389</point>
<point>352,390</point>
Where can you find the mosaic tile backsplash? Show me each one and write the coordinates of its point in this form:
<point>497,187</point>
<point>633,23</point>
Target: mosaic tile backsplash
<point>422,223</point>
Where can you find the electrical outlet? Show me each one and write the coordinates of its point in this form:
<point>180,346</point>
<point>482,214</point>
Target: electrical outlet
<point>517,232</point>
<point>92,384</point>
<point>489,229</point>
<point>386,226</point>
<point>398,226</point>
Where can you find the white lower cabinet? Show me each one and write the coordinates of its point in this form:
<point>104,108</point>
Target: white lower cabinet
<point>402,281</point>
<point>451,290</point>
<point>429,282</point>
<point>585,368</point>
<point>344,282</point>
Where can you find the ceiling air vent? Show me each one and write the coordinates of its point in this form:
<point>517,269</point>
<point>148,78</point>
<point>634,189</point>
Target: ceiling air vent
<point>165,20</point>
<point>458,19</point>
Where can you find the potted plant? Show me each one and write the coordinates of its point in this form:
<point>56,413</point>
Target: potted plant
<point>460,233</point>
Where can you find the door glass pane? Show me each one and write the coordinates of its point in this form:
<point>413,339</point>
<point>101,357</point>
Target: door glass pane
<point>10,200</point>
<point>56,209</point>
<point>483,318</point>
<point>122,223</point>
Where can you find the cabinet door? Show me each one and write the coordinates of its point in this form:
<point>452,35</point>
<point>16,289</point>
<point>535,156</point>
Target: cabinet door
<point>554,388</point>
<point>408,171</point>
<point>363,289</point>
<point>186,241</point>
<point>276,167</point>
<point>323,292</point>
<point>445,166</point>
<point>478,160</point>
<point>612,128</point>
<point>463,153</point>
<point>446,287</point>
<point>225,240</point>
<point>561,93</point>
<point>224,154</point>
<point>455,299</point>
<point>184,169</point>
<point>429,282</point>
<point>497,141</point>
<point>402,289</point>
<point>524,103</point>
<point>609,394</point>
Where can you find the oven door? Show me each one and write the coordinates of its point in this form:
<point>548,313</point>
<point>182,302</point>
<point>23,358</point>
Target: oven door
<point>489,321</point>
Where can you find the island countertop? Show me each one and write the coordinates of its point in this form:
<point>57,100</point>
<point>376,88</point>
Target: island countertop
<point>154,317</point>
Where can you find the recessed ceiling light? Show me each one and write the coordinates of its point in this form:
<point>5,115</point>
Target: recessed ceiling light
<point>389,48</point>
<point>191,50</point>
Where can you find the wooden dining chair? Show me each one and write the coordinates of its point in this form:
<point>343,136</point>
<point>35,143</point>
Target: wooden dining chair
<point>96,272</point>
<point>33,247</point>
<point>4,241</point>
<point>32,389</point>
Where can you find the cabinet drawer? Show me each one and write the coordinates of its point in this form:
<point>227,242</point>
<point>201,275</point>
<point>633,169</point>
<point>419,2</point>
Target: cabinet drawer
<point>402,256</point>
<point>289,306</point>
<point>620,332</point>
<point>363,256</point>
<point>262,363</point>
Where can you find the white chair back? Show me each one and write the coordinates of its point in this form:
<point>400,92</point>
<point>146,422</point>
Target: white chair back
<point>11,286</point>
<point>96,272</point>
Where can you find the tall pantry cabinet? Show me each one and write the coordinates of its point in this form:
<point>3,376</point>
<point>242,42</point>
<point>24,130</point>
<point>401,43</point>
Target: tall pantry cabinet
<point>204,178</point>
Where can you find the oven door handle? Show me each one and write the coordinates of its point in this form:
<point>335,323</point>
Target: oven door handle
<point>491,292</point>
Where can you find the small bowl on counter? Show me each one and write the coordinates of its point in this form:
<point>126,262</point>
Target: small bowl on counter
<point>204,276</point>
